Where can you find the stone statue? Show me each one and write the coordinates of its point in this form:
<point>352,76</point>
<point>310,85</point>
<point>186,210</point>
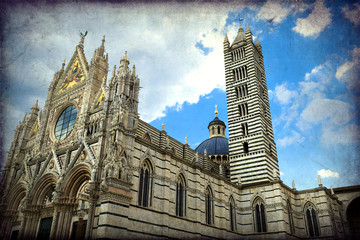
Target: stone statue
<point>186,140</point>
<point>319,180</point>
<point>293,184</point>
<point>163,126</point>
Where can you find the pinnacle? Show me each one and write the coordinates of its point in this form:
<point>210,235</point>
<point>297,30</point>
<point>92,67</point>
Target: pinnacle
<point>226,38</point>
<point>257,42</point>
<point>248,29</point>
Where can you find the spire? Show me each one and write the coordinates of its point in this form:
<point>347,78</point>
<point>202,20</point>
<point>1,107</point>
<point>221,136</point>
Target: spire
<point>216,111</point>
<point>35,106</point>
<point>258,42</point>
<point>101,49</point>
<point>124,62</point>
<point>24,117</point>
<point>240,36</point>
<point>226,38</point>
<point>248,28</point>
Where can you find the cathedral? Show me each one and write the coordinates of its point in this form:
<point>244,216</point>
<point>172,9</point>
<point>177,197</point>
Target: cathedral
<point>87,167</point>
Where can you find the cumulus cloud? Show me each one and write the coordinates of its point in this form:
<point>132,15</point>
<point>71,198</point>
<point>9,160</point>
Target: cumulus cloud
<point>288,140</point>
<point>153,42</point>
<point>315,22</point>
<point>327,173</point>
<point>283,94</point>
<point>273,11</point>
<point>352,14</point>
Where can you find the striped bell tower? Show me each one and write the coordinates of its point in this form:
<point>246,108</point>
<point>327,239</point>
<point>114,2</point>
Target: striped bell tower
<point>252,149</point>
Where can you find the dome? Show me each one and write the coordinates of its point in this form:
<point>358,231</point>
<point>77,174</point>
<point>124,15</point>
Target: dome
<point>214,145</point>
<point>216,121</point>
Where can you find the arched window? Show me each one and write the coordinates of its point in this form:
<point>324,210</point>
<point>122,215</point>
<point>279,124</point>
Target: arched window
<point>180,197</point>
<point>218,130</point>
<point>145,185</point>
<point>259,215</point>
<point>291,220</point>
<point>232,216</point>
<point>209,206</point>
<point>311,220</point>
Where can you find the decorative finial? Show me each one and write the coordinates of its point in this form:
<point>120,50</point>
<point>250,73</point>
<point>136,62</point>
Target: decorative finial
<point>293,184</point>
<point>216,111</point>
<point>163,126</point>
<point>63,65</point>
<point>103,41</point>
<point>125,57</point>
<point>186,140</point>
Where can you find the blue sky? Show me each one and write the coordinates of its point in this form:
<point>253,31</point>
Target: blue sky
<point>311,52</point>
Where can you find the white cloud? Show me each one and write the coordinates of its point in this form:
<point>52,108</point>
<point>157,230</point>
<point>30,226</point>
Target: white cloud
<point>273,11</point>
<point>313,72</point>
<point>315,22</point>
<point>343,69</point>
<point>283,94</point>
<point>327,173</point>
<point>288,140</point>
<point>352,14</point>
<point>281,173</point>
<point>348,72</point>
<point>335,112</point>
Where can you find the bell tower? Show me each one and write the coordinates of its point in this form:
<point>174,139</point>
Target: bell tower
<point>252,149</point>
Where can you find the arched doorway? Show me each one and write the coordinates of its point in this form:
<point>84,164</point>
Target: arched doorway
<point>353,217</point>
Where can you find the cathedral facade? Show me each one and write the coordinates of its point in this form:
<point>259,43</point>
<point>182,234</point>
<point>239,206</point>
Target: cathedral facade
<point>87,167</point>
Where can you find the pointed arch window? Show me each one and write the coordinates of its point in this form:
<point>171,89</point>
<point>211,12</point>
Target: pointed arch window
<point>291,220</point>
<point>259,215</point>
<point>209,206</point>
<point>232,216</point>
<point>180,197</point>
<point>145,185</point>
<point>311,220</point>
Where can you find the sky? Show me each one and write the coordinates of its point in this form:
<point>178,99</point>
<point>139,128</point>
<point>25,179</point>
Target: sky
<point>311,54</point>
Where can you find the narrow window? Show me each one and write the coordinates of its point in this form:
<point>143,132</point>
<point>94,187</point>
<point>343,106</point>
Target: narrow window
<point>259,216</point>
<point>218,130</point>
<point>245,129</point>
<point>311,219</point>
<point>246,147</point>
<point>232,212</point>
<point>180,197</point>
<point>209,207</point>
<point>144,185</point>
<point>291,220</point>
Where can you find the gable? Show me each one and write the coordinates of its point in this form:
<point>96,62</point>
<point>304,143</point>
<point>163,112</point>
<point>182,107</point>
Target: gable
<point>74,75</point>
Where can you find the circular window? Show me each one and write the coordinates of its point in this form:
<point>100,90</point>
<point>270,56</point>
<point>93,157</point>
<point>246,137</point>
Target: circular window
<point>66,122</point>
